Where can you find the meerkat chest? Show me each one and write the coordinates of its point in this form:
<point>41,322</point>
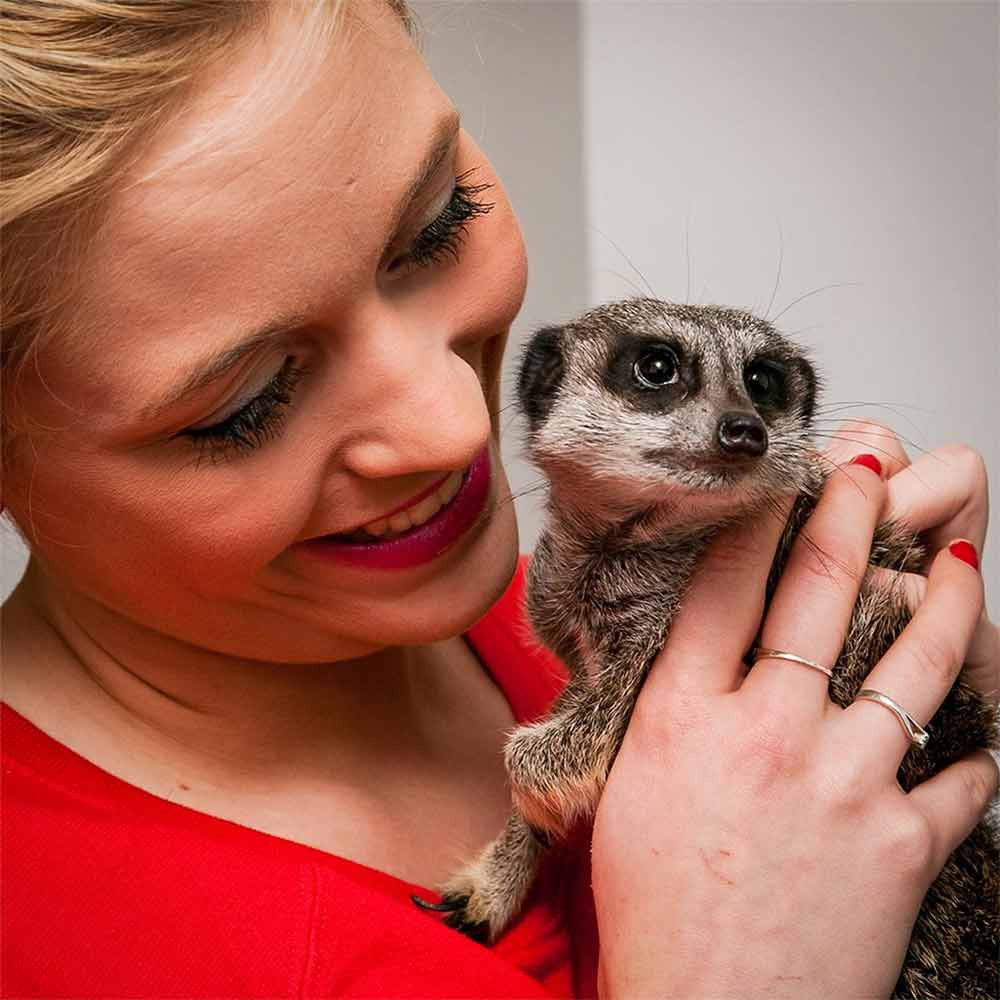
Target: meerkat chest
<point>618,603</point>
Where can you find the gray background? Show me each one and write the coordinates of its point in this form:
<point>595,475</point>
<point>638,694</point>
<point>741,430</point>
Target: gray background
<point>688,148</point>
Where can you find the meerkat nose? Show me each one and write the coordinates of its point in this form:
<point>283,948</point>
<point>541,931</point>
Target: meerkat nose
<point>741,433</point>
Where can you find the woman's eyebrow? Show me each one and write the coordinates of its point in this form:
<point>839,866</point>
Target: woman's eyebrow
<point>209,369</point>
<point>442,139</point>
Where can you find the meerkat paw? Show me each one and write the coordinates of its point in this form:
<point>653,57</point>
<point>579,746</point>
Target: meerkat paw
<point>473,906</point>
<point>463,906</point>
<point>482,899</point>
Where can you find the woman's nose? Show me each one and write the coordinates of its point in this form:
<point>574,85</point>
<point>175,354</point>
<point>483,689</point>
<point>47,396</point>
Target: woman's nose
<point>426,411</point>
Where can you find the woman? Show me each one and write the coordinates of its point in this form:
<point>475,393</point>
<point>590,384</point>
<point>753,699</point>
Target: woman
<point>240,732</point>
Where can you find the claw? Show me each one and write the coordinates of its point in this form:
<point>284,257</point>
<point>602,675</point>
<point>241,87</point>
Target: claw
<point>447,905</point>
<point>478,932</point>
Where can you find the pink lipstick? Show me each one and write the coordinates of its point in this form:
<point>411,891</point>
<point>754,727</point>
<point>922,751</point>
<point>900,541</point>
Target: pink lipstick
<point>424,542</point>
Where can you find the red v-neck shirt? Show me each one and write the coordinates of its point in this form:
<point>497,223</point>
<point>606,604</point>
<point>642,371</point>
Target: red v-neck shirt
<point>112,892</point>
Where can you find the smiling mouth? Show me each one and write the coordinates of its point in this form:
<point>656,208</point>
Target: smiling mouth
<point>387,528</point>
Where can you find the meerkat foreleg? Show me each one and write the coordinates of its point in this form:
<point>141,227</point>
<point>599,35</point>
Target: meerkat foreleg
<point>558,767</point>
<point>557,770</point>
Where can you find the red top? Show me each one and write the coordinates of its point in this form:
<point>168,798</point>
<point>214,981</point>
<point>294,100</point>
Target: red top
<point>110,891</point>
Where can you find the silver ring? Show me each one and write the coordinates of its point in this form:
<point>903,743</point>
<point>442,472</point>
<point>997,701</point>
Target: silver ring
<point>917,734</point>
<point>762,653</point>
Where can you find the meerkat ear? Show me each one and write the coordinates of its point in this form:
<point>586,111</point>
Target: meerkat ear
<point>541,371</point>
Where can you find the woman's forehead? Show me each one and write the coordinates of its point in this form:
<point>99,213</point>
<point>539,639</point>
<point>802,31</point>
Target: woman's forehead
<point>254,192</point>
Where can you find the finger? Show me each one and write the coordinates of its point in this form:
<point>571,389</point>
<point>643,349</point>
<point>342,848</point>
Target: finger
<point>722,607</point>
<point>982,659</point>
<point>943,494</point>
<point>953,801</point>
<point>857,436</point>
<point>812,604</point>
<point>921,665</point>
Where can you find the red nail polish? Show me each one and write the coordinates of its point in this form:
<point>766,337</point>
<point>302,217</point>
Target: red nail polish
<point>869,462</point>
<point>965,551</point>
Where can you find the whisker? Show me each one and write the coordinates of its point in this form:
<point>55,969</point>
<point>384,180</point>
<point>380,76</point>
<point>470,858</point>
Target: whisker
<point>687,254</point>
<point>641,292</point>
<point>815,291</point>
<point>871,402</point>
<point>625,257</point>
<point>839,408</point>
<point>834,435</point>
<point>777,279</point>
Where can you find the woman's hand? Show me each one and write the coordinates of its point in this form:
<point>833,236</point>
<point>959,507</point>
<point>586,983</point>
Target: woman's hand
<point>943,495</point>
<point>752,839</point>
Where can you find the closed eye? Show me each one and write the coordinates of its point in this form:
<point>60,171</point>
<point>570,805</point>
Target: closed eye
<point>257,421</point>
<point>443,236</point>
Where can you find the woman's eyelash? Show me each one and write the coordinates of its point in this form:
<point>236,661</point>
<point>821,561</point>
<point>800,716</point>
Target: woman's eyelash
<point>444,235</point>
<point>254,423</point>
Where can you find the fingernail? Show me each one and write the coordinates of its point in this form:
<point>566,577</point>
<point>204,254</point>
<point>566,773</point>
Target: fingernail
<point>965,551</point>
<point>869,462</point>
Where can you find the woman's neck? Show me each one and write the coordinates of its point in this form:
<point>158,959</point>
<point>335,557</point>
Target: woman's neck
<point>69,659</point>
<point>392,760</point>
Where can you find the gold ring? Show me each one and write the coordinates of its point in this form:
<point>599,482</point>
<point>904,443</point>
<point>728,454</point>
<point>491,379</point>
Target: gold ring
<point>762,653</point>
<point>918,735</point>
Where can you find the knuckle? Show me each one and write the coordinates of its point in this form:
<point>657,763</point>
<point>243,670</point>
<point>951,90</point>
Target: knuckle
<point>770,749</point>
<point>842,785</point>
<point>912,844</point>
<point>907,844</point>
<point>668,720</point>
<point>977,788</point>
<point>967,463</point>
<point>935,659</point>
<point>832,561</point>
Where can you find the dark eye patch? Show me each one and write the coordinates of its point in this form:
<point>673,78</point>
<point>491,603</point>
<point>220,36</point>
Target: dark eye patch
<point>650,374</point>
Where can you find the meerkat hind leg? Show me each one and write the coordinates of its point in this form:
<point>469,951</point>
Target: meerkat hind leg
<point>486,895</point>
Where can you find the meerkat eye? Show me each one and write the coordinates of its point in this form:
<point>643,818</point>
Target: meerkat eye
<point>765,382</point>
<point>656,367</point>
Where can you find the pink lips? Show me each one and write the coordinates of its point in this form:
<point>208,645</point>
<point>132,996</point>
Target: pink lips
<point>425,542</point>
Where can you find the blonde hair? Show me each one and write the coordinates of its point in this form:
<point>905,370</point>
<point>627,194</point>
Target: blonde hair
<point>84,83</point>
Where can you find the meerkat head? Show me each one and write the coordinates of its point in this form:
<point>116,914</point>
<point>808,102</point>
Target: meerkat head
<point>643,402</point>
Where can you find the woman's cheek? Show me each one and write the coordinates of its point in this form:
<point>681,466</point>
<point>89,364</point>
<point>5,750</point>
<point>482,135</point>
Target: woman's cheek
<point>226,520</point>
<point>491,278</point>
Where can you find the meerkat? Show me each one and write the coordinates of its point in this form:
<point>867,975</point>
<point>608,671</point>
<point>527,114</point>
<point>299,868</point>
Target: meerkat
<point>655,424</point>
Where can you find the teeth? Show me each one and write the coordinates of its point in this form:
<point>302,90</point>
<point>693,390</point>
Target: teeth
<point>425,510</point>
<point>449,487</point>
<point>400,522</point>
<point>415,516</point>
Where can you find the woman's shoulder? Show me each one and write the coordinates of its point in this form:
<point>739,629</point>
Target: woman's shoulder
<point>528,674</point>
